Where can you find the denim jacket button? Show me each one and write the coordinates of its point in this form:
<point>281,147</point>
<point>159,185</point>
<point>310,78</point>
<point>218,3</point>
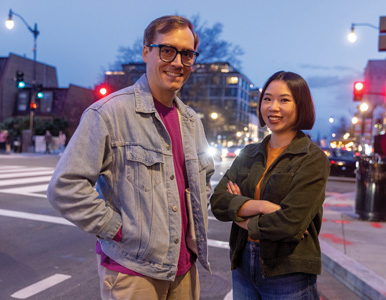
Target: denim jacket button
<point>175,208</point>
<point>176,240</point>
<point>167,147</point>
<point>172,177</point>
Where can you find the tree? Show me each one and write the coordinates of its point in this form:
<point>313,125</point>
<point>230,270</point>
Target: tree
<point>211,47</point>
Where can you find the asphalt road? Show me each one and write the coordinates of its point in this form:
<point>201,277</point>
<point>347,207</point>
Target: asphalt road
<point>43,257</point>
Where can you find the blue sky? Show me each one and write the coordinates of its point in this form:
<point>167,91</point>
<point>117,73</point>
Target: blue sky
<point>81,38</point>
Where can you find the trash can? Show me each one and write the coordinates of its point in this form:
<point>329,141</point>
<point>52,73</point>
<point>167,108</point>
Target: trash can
<point>370,201</point>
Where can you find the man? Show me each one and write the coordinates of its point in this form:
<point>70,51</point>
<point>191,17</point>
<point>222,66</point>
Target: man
<point>147,154</point>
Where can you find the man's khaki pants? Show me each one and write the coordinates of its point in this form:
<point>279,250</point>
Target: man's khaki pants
<point>119,286</point>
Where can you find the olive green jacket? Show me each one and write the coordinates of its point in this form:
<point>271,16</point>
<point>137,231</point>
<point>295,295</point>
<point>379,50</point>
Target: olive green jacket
<point>296,181</point>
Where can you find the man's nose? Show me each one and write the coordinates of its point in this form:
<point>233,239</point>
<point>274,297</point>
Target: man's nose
<point>178,60</point>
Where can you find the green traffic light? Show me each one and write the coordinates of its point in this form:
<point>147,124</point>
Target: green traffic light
<point>40,95</point>
<point>21,84</point>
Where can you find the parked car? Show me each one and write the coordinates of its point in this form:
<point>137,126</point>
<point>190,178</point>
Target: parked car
<point>342,162</point>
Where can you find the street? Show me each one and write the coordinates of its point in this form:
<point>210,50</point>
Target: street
<point>42,256</point>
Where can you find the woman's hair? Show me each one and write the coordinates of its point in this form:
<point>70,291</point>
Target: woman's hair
<point>167,24</point>
<point>302,96</point>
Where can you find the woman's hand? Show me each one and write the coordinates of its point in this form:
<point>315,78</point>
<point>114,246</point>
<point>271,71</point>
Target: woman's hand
<point>243,224</point>
<point>233,188</point>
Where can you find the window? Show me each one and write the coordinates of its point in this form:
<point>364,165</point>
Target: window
<point>46,102</point>
<point>231,92</point>
<point>215,92</point>
<point>232,80</point>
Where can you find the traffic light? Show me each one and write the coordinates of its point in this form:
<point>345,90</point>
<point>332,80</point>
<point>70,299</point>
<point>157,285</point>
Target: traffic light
<point>102,90</point>
<point>359,89</point>
<point>39,91</point>
<point>33,106</point>
<point>20,83</point>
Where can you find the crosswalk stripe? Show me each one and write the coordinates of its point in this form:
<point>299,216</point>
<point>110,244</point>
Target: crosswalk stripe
<point>4,169</point>
<point>25,180</point>
<point>28,191</point>
<point>40,286</point>
<point>25,169</point>
<point>25,174</point>
<point>34,217</point>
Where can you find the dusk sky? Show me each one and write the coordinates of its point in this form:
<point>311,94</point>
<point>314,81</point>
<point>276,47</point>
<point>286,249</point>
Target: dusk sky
<point>81,38</point>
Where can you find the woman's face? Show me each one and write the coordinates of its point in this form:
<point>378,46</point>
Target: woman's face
<point>278,108</point>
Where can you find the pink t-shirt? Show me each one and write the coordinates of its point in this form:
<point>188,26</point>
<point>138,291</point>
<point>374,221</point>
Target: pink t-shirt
<point>169,116</point>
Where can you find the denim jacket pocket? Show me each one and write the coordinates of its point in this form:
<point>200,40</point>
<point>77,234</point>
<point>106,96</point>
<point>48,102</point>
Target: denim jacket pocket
<point>143,167</point>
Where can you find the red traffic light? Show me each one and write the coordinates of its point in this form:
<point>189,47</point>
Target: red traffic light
<point>359,89</point>
<point>103,91</point>
<point>33,106</point>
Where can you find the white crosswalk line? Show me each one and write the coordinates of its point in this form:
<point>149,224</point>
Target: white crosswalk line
<point>28,191</point>
<point>25,180</point>
<point>4,169</point>
<point>25,174</point>
<point>40,286</point>
<point>34,217</point>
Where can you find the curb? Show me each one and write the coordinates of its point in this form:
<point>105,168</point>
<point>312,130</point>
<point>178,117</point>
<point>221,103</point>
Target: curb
<point>363,282</point>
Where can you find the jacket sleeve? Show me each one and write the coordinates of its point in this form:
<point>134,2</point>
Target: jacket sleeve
<point>71,189</point>
<point>304,199</point>
<point>225,205</point>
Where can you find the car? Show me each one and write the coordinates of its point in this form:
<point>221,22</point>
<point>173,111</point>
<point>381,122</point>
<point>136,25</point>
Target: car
<point>342,162</point>
<point>231,152</point>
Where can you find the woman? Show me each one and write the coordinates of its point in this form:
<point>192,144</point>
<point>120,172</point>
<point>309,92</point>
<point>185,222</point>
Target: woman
<point>273,193</point>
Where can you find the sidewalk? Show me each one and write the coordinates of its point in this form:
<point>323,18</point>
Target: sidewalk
<point>353,251</point>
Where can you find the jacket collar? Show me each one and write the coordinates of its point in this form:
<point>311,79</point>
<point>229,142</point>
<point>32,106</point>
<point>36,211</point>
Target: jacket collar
<point>299,144</point>
<point>144,102</point>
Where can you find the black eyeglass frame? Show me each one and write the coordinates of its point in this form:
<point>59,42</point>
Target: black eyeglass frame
<point>160,46</point>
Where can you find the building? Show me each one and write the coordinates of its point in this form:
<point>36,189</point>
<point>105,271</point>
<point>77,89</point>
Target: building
<point>10,103</point>
<point>68,103</point>
<point>218,92</point>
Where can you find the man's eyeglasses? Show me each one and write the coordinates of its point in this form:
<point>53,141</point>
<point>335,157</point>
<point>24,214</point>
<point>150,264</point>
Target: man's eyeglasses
<point>169,53</point>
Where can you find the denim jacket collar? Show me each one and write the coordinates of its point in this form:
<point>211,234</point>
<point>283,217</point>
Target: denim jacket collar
<point>144,102</point>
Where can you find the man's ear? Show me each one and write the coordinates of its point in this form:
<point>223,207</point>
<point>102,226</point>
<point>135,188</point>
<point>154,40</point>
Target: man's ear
<point>145,53</point>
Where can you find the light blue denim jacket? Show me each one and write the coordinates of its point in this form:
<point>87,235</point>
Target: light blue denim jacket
<point>122,147</point>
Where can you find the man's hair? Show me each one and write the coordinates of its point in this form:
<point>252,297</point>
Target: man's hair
<point>302,96</point>
<point>165,25</point>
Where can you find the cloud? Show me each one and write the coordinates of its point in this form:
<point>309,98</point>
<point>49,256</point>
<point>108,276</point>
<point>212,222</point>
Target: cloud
<point>316,82</point>
<point>330,68</point>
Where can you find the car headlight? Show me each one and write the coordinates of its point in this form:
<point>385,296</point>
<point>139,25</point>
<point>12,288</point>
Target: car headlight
<point>237,152</point>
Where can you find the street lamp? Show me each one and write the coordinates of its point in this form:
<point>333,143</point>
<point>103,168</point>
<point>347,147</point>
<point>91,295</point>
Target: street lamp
<point>10,24</point>
<point>352,37</point>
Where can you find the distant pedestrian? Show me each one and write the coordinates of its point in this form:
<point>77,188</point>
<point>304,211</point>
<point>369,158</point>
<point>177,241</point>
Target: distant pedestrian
<point>323,142</point>
<point>8,142</point>
<point>2,141</point>
<point>48,140</point>
<point>61,141</point>
<point>274,193</point>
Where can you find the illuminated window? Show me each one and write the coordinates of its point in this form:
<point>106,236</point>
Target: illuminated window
<point>232,80</point>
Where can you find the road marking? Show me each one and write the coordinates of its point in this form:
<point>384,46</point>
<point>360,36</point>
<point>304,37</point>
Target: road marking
<point>28,191</point>
<point>4,169</point>
<point>40,286</point>
<point>25,180</point>
<point>218,244</point>
<point>28,173</point>
<point>229,296</point>
<point>34,217</point>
